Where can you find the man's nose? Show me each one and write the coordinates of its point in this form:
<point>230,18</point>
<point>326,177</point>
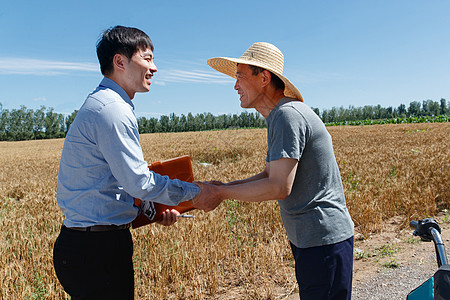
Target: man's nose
<point>153,68</point>
<point>236,85</point>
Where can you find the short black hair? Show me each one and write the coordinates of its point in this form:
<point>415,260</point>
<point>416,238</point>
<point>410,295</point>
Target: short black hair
<point>120,40</point>
<point>274,79</point>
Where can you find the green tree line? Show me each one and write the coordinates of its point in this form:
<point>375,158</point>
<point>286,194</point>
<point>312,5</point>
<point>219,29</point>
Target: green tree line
<point>200,122</point>
<point>27,124</point>
<point>415,109</point>
<point>44,123</point>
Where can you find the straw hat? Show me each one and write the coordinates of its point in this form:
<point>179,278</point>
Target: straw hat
<point>260,54</point>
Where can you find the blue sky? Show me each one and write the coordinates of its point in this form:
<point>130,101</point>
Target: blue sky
<point>337,53</point>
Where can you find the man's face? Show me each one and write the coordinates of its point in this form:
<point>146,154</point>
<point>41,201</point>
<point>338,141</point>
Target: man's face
<point>139,71</point>
<point>247,86</point>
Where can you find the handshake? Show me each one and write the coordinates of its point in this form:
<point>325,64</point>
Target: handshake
<point>211,194</point>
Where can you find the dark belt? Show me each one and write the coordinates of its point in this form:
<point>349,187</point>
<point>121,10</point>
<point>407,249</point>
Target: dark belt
<point>101,227</point>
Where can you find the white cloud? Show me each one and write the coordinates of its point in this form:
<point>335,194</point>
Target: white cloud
<point>40,99</point>
<point>198,76</point>
<point>27,66</point>
<point>148,114</point>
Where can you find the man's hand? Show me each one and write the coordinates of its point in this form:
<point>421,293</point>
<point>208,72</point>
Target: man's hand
<point>208,198</point>
<point>169,217</point>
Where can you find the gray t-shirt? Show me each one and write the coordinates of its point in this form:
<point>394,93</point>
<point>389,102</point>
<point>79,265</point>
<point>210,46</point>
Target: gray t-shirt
<point>315,213</point>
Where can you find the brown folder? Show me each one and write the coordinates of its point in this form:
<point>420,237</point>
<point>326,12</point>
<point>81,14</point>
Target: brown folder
<point>176,168</point>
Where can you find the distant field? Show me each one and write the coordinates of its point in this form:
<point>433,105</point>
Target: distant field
<point>239,250</point>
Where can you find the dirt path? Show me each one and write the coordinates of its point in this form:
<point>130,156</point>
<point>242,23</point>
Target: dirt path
<point>392,263</point>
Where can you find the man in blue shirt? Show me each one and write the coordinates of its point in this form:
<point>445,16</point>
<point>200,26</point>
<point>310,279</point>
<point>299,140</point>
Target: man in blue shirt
<point>102,170</point>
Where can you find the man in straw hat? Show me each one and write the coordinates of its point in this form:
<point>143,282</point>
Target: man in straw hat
<point>300,172</point>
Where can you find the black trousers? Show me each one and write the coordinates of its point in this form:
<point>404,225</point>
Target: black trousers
<point>95,265</point>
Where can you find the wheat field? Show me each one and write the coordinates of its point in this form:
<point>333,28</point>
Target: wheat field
<point>240,250</point>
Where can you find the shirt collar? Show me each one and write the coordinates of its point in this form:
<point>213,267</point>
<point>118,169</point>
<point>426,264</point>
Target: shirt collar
<point>275,109</point>
<point>111,84</point>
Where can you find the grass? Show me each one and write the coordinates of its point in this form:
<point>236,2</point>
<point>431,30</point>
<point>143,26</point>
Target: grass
<point>39,291</point>
<point>413,240</point>
<point>240,249</point>
<point>446,217</point>
<point>384,254</point>
<point>387,250</point>
<point>363,254</point>
<point>391,264</point>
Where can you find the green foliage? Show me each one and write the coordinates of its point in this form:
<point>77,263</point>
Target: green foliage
<point>387,250</point>
<point>369,115</point>
<point>413,240</point>
<point>362,254</point>
<point>351,181</point>
<point>391,264</point>
<point>25,124</point>
<point>446,217</point>
<point>200,122</point>
<point>232,217</point>
<point>422,119</point>
<point>39,291</point>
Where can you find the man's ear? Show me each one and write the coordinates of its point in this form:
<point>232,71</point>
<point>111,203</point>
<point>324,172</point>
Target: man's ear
<point>119,62</point>
<point>266,77</point>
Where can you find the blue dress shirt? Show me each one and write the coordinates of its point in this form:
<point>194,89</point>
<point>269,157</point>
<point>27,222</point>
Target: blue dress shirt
<point>102,168</point>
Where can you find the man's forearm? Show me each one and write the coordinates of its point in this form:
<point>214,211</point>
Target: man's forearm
<point>274,183</point>
<point>253,191</point>
<point>256,177</point>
